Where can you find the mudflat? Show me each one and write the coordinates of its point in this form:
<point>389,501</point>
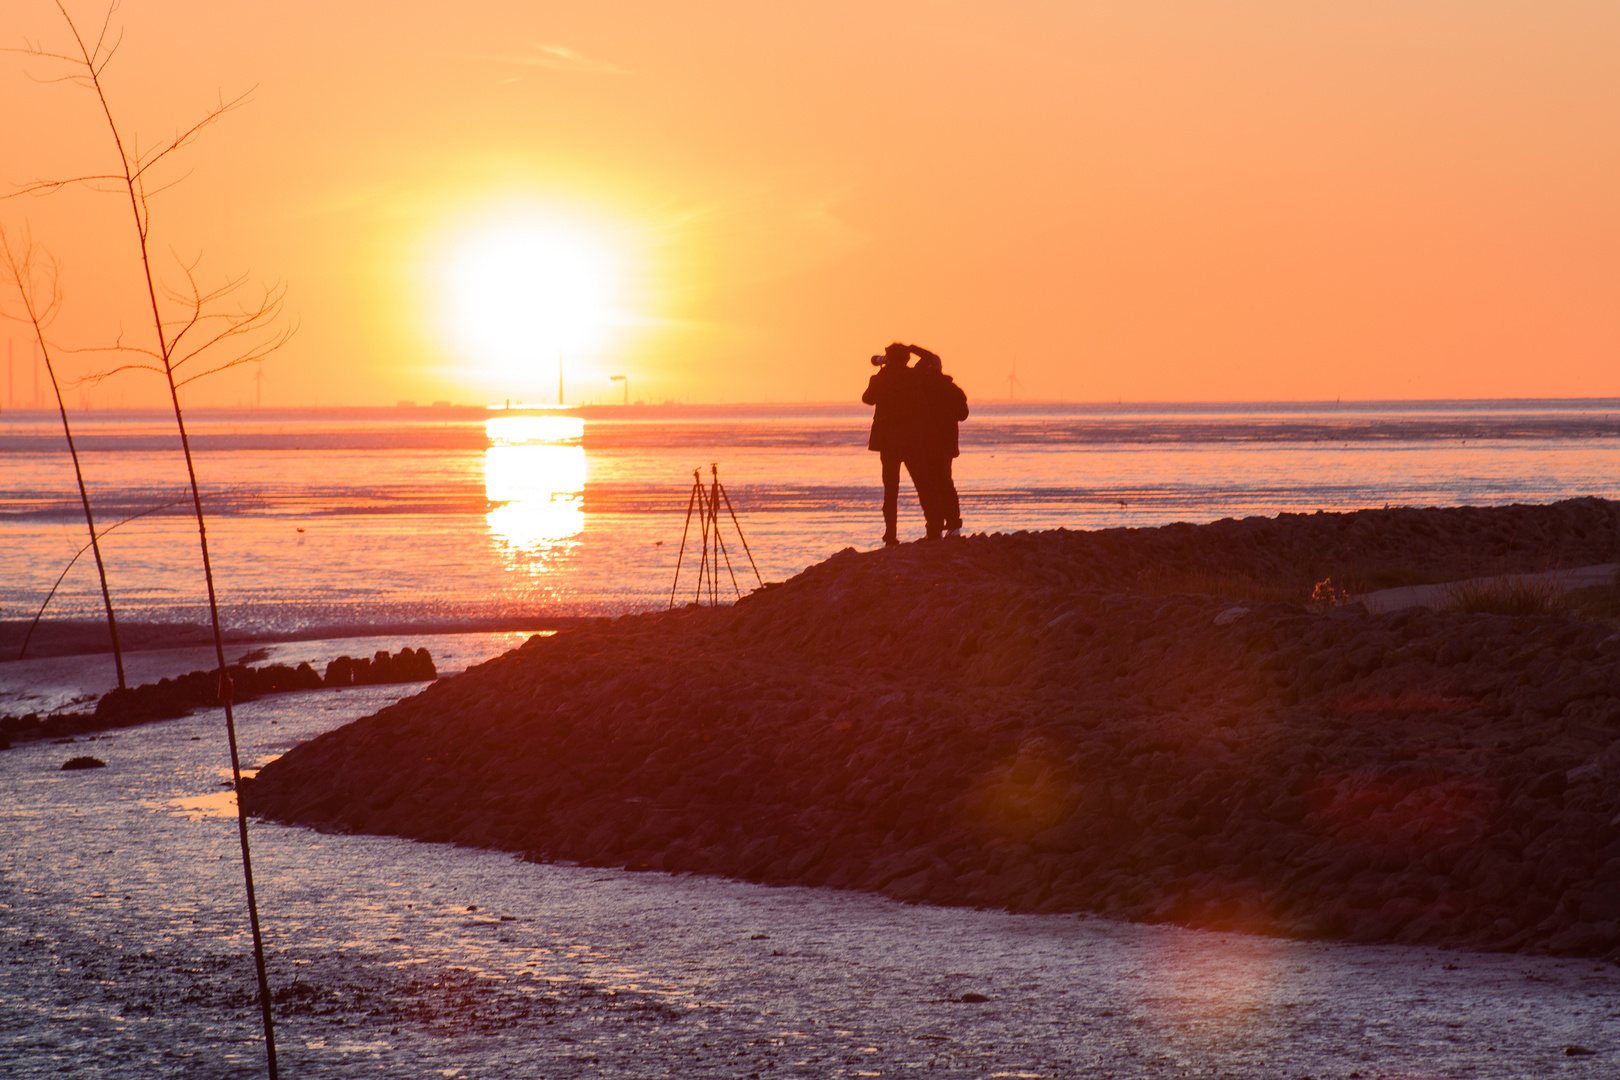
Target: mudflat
<point>1063,721</point>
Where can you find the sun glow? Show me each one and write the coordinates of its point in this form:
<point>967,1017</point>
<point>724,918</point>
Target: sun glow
<point>522,291</point>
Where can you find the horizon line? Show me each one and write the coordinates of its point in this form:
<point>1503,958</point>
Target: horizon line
<point>407,406</point>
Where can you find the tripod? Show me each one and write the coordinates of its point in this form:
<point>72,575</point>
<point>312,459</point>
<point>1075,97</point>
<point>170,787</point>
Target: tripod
<point>706,501</point>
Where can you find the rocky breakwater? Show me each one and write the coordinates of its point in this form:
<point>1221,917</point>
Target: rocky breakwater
<point>168,699</point>
<point>988,722</point>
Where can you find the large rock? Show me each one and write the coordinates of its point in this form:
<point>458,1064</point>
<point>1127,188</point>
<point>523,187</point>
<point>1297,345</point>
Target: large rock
<point>170,698</point>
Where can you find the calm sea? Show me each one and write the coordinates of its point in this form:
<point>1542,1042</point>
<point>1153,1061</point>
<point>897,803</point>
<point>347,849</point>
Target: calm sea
<point>321,518</point>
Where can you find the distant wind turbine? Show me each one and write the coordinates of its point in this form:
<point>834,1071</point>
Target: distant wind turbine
<point>1012,380</point>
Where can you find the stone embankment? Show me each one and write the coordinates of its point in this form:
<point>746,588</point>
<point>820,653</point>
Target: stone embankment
<point>168,699</point>
<point>1005,721</point>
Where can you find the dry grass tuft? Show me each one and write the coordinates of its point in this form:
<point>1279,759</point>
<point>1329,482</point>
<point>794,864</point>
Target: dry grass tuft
<point>1595,601</point>
<point>1505,596</point>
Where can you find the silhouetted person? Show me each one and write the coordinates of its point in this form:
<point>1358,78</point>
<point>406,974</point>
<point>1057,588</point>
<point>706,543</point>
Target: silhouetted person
<point>941,406</point>
<point>895,436</point>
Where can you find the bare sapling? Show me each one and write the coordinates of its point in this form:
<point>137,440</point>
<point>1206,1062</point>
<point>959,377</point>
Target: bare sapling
<point>39,305</point>
<point>195,331</point>
<point>49,596</point>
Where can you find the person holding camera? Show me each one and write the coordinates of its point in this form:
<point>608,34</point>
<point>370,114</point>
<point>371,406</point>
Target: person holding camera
<point>896,436</point>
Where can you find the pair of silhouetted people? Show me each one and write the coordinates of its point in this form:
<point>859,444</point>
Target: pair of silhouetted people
<point>914,423</point>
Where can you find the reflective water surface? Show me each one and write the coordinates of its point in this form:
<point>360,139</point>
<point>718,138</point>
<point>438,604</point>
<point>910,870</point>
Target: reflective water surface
<point>381,516</point>
<point>123,945</point>
<point>124,952</point>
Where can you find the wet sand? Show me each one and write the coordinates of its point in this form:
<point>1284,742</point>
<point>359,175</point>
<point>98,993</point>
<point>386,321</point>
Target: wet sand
<point>123,952</point>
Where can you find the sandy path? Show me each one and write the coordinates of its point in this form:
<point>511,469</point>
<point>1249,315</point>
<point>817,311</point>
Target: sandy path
<point>1434,597</point>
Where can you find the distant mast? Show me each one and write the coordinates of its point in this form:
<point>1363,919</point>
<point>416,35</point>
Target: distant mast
<point>559,381</point>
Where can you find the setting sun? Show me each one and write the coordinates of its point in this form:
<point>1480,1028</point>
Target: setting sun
<point>522,292</point>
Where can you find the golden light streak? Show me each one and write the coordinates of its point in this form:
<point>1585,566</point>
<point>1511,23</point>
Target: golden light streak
<point>535,468</point>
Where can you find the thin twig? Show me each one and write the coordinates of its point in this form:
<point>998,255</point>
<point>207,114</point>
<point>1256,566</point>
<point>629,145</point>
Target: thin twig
<point>20,270</point>
<point>48,596</point>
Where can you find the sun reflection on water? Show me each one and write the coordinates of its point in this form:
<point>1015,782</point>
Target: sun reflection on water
<point>534,468</point>
<point>1213,985</point>
<point>527,430</point>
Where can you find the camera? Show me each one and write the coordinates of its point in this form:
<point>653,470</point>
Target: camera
<point>879,360</point>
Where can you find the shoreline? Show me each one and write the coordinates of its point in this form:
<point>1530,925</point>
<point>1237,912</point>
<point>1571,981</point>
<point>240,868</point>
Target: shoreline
<point>67,688</point>
<point>462,410</point>
<point>88,637</point>
<point>181,695</point>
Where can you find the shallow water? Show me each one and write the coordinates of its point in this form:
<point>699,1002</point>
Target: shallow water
<point>386,516</point>
<point>124,952</point>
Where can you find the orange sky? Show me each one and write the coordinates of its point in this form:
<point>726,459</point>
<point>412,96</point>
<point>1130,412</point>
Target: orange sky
<point>1144,200</point>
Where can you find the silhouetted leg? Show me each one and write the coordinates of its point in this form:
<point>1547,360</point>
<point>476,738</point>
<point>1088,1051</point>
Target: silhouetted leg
<point>891,497</point>
<point>922,478</point>
<point>950,507</point>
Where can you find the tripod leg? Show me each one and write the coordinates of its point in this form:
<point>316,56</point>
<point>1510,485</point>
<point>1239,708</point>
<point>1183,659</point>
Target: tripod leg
<point>703,523</point>
<point>714,525</point>
<point>720,546</point>
<point>697,486</point>
<point>740,535</point>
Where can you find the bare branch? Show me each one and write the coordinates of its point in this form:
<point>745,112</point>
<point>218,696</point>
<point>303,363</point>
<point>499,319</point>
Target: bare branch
<point>161,188</point>
<point>254,352</point>
<point>193,323</point>
<point>18,261</point>
<point>42,54</point>
<point>117,347</point>
<point>245,322</point>
<point>45,186</point>
<point>184,138</point>
<point>258,354</point>
<point>96,378</point>
<point>101,38</point>
<point>77,80</point>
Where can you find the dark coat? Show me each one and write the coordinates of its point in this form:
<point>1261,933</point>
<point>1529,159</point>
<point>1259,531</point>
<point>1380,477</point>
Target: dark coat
<point>941,405</point>
<point>894,420</point>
